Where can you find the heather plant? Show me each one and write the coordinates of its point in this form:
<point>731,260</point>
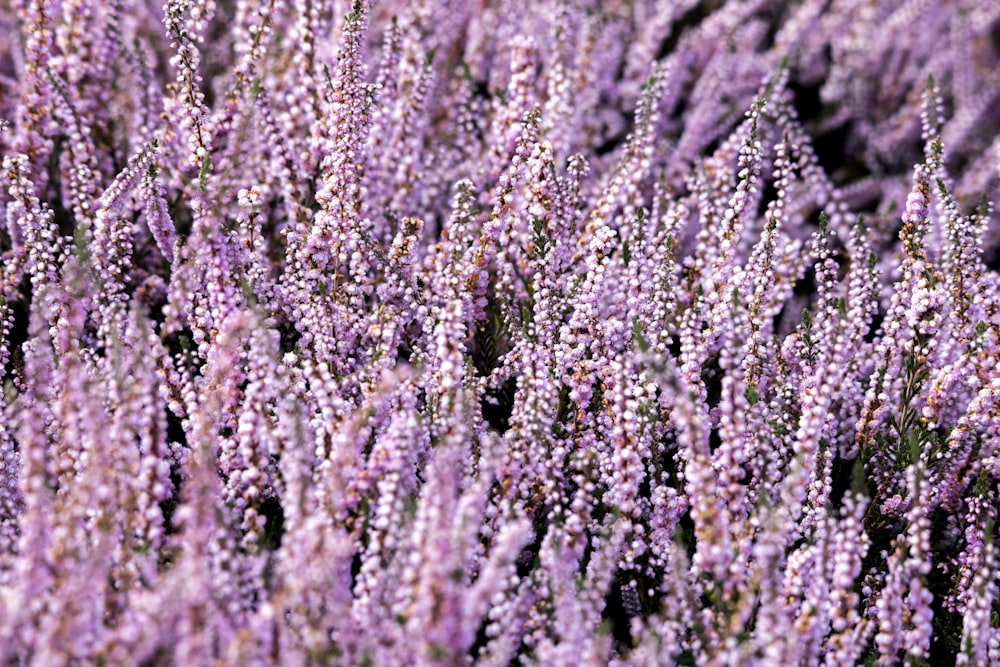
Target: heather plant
<point>535,333</point>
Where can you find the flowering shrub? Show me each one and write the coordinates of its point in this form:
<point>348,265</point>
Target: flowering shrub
<point>450,332</point>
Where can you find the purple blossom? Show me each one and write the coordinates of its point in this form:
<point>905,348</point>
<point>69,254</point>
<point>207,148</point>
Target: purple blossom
<point>553,333</point>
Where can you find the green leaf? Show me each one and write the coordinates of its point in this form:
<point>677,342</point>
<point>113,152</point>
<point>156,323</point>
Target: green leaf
<point>942,187</point>
<point>750,393</point>
<point>203,172</point>
<point>637,336</point>
<point>541,241</point>
<point>859,477</point>
<point>247,289</point>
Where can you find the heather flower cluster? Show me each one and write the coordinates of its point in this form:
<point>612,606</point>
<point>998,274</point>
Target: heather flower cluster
<point>557,333</point>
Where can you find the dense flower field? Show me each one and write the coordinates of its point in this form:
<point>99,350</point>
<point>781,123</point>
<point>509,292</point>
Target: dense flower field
<point>564,332</point>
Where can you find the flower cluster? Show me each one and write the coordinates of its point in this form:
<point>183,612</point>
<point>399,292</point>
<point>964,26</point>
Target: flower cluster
<point>571,332</point>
